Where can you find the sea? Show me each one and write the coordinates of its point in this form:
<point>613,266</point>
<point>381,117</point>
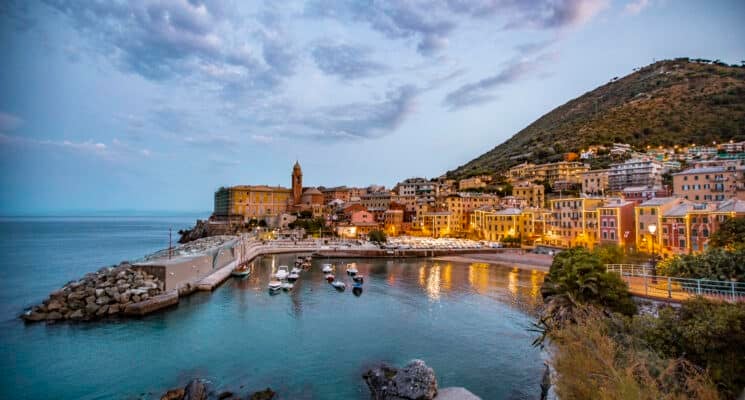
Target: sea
<point>469,321</point>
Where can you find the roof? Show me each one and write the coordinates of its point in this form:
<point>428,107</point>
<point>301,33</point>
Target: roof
<point>642,188</point>
<point>702,170</point>
<point>509,211</point>
<point>732,205</point>
<point>658,201</point>
<point>312,191</point>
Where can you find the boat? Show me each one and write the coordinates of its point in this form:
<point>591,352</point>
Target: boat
<point>327,268</point>
<point>330,277</point>
<point>357,285</point>
<point>241,271</point>
<point>282,272</point>
<point>295,270</point>
<point>275,285</point>
<point>338,285</point>
<point>287,286</point>
<point>358,279</point>
<point>299,260</point>
<point>351,269</point>
<point>308,259</point>
<point>293,277</point>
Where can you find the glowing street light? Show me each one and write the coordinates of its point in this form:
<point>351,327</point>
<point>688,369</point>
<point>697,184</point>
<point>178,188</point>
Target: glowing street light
<point>652,229</point>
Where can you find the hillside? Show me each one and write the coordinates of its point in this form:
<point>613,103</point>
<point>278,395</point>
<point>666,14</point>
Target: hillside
<point>666,103</point>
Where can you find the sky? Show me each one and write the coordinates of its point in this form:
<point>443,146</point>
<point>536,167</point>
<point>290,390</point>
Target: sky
<point>154,104</point>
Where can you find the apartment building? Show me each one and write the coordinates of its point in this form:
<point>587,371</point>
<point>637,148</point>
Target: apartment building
<point>648,217</point>
<point>616,223</point>
<point>462,204</point>
<point>635,172</point>
<point>564,172</point>
<point>687,227</point>
<point>595,182</point>
<point>532,193</point>
<point>710,183</point>
<point>573,222</point>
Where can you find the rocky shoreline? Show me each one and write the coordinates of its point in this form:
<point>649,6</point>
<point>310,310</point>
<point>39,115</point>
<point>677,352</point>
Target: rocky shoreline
<point>111,291</point>
<point>415,381</point>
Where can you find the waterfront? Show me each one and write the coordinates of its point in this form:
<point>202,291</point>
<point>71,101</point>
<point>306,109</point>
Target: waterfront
<point>468,321</point>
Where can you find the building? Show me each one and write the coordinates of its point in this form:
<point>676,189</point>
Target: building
<point>640,194</point>
<point>595,182</point>
<point>565,172</point>
<point>376,200</point>
<point>244,202</point>
<point>393,221</point>
<point>436,223</point>
<point>648,217</point>
<point>525,225</point>
<point>733,147</point>
<point>616,223</point>
<point>532,193</point>
<point>471,183</point>
<point>715,183</point>
<point>634,172</point>
<point>460,205</point>
<point>573,222</point>
<point>335,193</point>
<point>687,227</point>
<point>416,187</point>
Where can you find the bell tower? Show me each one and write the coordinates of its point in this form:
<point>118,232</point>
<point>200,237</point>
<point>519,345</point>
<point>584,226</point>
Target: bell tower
<point>297,183</point>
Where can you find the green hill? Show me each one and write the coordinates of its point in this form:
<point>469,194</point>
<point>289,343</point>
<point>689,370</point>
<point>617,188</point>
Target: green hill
<point>669,102</point>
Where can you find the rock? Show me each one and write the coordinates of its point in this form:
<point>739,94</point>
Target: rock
<point>54,305</point>
<point>77,314</point>
<point>455,393</point>
<point>75,305</point>
<point>152,304</point>
<point>91,309</point>
<point>266,394</point>
<point>124,297</point>
<point>90,300</point>
<point>33,316</point>
<point>111,292</point>
<point>114,309</point>
<point>195,390</point>
<point>54,315</point>
<point>224,395</point>
<point>173,394</point>
<point>136,299</point>
<point>103,300</point>
<point>415,381</point>
<point>99,292</point>
<point>102,311</point>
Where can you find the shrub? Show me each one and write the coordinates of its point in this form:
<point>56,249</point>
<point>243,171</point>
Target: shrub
<point>377,236</point>
<point>715,263</point>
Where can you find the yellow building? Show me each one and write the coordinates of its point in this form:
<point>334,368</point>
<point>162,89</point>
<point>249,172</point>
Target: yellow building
<point>436,223</point>
<point>573,222</point>
<point>531,193</point>
<point>648,217</point>
<point>462,204</point>
<point>497,225</point>
<point>246,202</point>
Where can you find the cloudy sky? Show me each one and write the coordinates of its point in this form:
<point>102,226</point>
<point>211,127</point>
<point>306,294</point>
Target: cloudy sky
<point>153,104</point>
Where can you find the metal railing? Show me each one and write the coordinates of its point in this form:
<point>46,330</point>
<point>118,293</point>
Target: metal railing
<point>642,282</point>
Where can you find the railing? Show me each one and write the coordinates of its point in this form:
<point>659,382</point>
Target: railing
<point>642,282</point>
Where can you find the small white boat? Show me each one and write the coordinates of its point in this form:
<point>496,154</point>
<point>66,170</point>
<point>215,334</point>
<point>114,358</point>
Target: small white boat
<point>338,285</point>
<point>275,285</point>
<point>282,272</point>
<point>351,269</point>
<point>241,271</point>
<point>327,268</point>
<point>293,277</point>
<point>330,277</point>
<point>295,270</point>
<point>287,286</point>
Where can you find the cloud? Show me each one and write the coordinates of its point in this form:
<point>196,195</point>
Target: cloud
<point>262,139</point>
<point>117,151</point>
<point>636,6</point>
<point>211,140</point>
<point>536,14</point>
<point>9,122</point>
<point>347,62</point>
<point>162,40</point>
<point>361,120</point>
<point>482,91</point>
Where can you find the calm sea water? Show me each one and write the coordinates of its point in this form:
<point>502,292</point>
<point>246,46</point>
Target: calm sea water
<point>468,321</point>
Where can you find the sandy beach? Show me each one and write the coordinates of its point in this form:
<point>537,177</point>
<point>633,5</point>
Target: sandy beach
<point>527,261</point>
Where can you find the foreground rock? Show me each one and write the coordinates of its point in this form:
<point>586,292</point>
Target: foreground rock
<point>197,389</point>
<point>109,291</point>
<point>416,381</point>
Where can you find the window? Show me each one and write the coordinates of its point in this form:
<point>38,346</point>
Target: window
<point>705,233</point>
<point>641,225</point>
<point>653,211</point>
<point>641,211</point>
<point>682,243</point>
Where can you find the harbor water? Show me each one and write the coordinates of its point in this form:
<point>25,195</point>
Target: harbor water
<point>468,321</point>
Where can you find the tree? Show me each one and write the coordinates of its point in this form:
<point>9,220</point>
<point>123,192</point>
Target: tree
<point>730,233</point>
<point>578,276</point>
<point>377,236</point>
<point>715,263</point>
<point>609,253</point>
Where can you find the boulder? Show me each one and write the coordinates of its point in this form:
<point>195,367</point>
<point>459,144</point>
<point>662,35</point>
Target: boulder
<point>113,309</point>
<point>77,314</point>
<point>111,292</point>
<point>455,393</point>
<point>54,315</point>
<point>225,395</point>
<point>416,381</point>
<point>266,394</point>
<point>33,316</point>
<point>99,292</point>
<point>103,300</point>
<point>173,394</point>
<point>54,305</point>
<point>195,390</point>
<point>91,309</point>
<point>90,300</point>
<point>102,311</point>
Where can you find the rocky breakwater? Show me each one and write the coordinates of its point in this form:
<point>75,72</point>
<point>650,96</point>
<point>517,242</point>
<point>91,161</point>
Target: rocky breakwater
<point>109,291</point>
<point>415,381</point>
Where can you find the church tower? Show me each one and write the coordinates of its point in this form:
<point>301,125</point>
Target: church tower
<point>297,183</point>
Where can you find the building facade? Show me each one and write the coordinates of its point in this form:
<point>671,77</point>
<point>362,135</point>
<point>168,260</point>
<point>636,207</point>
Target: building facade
<point>715,183</point>
<point>634,172</point>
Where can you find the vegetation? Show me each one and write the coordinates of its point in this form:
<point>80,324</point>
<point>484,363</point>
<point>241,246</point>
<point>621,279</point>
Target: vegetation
<point>312,226</point>
<point>377,236</point>
<point>669,102</point>
<point>709,334</point>
<point>715,263</point>
<point>731,233</point>
<point>599,358</point>
<point>578,276</point>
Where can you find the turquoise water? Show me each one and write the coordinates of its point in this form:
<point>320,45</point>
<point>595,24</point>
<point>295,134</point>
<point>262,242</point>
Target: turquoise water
<point>466,321</point>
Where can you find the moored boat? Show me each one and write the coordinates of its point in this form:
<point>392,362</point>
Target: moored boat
<point>287,286</point>
<point>275,285</point>
<point>282,272</point>
<point>339,285</point>
<point>330,277</point>
<point>327,268</point>
<point>358,279</point>
<point>295,270</point>
<point>241,271</point>
<point>351,269</point>
<point>293,277</point>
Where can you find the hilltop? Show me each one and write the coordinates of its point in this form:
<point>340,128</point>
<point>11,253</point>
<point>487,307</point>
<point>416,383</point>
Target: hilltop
<point>669,102</point>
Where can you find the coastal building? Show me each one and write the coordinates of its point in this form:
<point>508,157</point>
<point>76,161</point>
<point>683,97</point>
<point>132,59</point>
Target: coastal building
<point>393,221</point>
<point>376,200</point>
<point>616,223</point>
<point>436,223</point>
<point>640,194</point>
<point>634,172</point>
<point>460,205</point>
<point>573,222</point>
<point>523,225</point>
<point>247,202</point>
<point>471,183</point>
<point>648,217</point>
<point>565,173</point>
<point>687,227</point>
<point>335,193</point>
<point>710,183</point>
<point>595,182</point>
<point>532,193</point>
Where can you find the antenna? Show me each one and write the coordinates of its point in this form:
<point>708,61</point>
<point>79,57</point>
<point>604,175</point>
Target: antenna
<point>170,247</point>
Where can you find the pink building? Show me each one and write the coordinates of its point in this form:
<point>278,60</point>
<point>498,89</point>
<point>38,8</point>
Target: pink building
<point>617,223</point>
<point>361,217</point>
